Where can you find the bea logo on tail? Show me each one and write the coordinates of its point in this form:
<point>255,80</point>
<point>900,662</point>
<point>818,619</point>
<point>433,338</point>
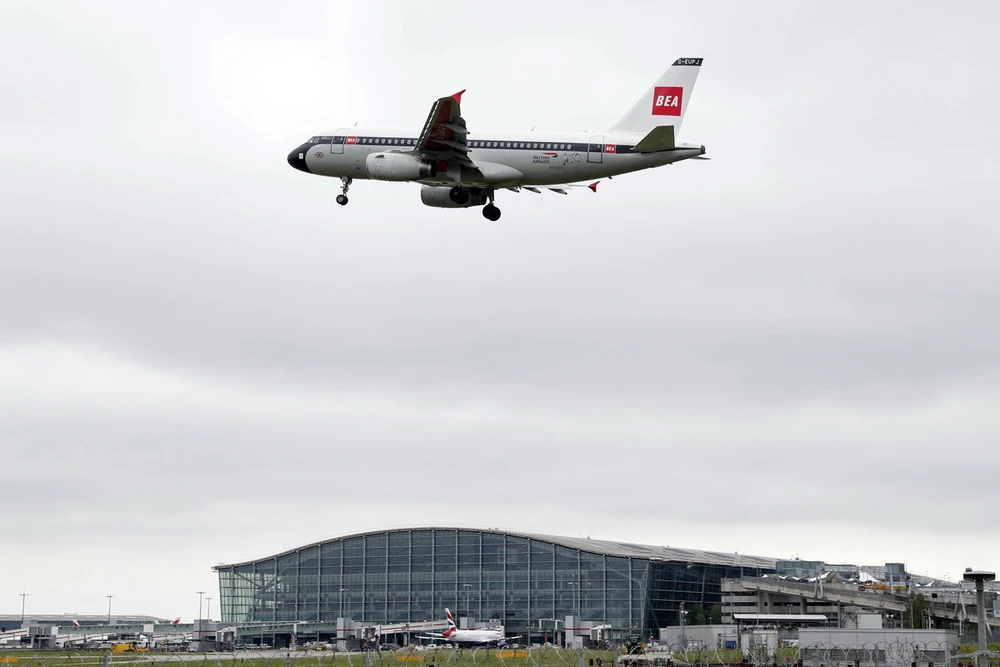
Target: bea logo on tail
<point>667,100</point>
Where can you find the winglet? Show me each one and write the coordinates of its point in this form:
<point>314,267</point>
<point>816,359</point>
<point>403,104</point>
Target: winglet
<point>458,96</point>
<point>593,186</point>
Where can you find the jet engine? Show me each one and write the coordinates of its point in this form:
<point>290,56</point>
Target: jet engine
<point>398,167</point>
<point>437,195</point>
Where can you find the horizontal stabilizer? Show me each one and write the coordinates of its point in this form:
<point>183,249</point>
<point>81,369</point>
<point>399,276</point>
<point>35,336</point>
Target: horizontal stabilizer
<point>660,138</point>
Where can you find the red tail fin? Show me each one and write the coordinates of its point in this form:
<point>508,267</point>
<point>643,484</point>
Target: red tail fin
<point>451,623</point>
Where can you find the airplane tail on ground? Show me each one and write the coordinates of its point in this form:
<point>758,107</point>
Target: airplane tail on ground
<point>665,102</point>
<point>451,623</point>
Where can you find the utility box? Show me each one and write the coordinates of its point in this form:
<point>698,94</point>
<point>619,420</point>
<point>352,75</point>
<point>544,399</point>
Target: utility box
<point>869,621</point>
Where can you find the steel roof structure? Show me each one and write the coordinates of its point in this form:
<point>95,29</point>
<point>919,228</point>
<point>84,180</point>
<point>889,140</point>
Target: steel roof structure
<point>586,544</point>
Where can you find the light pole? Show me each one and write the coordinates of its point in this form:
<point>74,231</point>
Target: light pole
<point>109,607</point>
<point>576,624</point>
<point>200,594</point>
<point>468,611</point>
<point>23,595</point>
<point>680,617</point>
<point>980,577</point>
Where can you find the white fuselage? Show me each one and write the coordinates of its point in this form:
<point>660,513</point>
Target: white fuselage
<point>475,636</point>
<point>506,158</point>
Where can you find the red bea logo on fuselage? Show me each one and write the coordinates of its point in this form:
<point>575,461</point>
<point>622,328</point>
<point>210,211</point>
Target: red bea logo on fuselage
<point>667,100</point>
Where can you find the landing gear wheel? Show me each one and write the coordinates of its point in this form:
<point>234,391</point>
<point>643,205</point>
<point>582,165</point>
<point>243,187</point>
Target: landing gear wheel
<point>491,213</point>
<point>345,185</point>
<point>459,195</point>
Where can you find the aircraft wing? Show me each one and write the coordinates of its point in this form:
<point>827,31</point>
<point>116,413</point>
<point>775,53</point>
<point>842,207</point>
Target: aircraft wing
<point>560,189</point>
<point>443,138</point>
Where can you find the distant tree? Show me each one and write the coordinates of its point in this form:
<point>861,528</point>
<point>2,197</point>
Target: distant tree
<point>715,614</point>
<point>913,617</point>
<point>696,615</point>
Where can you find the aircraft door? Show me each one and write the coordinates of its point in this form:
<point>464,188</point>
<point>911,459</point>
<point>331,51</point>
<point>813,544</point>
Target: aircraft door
<point>595,149</point>
<point>338,140</point>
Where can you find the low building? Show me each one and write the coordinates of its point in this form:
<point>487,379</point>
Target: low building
<point>694,637</point>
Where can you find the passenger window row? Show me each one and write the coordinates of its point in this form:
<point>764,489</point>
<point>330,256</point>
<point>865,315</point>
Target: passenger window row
<point>393,141</point>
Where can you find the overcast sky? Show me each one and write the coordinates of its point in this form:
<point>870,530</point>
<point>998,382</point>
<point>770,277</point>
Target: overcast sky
<point>793,349</point>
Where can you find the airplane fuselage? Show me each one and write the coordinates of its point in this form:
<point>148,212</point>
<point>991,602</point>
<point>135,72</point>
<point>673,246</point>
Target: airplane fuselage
<point>475,636</point>
<point>506,159</point>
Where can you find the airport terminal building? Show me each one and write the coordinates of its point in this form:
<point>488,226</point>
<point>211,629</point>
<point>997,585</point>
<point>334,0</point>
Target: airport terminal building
<point>521,580</point>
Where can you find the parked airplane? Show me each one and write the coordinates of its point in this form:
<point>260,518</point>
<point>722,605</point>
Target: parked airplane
<point>458,168</point>
<point>475,637</point>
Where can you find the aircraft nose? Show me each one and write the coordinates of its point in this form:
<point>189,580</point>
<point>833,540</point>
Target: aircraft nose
<point>297,158</point>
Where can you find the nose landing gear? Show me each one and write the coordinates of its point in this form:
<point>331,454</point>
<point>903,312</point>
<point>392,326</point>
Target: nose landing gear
<point>346,185</point>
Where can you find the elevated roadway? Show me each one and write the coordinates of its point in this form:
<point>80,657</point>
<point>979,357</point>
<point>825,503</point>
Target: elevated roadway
<point>848,594</point>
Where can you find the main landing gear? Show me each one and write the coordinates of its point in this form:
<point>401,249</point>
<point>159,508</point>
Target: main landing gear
<point>463,197</point>
<point>490,211</point>
<point>346,185</point>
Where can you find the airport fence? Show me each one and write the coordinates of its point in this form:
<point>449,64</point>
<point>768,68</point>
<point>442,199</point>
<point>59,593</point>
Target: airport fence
<point>894,654</point>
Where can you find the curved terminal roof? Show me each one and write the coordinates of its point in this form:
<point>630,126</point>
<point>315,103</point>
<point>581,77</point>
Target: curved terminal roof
<point>601,547</point>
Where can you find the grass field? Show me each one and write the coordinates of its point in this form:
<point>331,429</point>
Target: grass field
<point>278,658</point>
<point>545,657</point>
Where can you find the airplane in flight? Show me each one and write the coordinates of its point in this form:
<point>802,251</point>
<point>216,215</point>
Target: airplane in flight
<point>467,637</point>
<point>459,168</point>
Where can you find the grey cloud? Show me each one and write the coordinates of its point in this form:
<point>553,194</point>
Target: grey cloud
<point>197,345</point>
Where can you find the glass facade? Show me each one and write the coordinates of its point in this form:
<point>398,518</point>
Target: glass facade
<point>412,575</point>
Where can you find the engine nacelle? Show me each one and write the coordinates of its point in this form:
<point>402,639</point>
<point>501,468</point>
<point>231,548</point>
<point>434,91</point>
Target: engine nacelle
<point>438,195</point>
<point>399,167</point>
